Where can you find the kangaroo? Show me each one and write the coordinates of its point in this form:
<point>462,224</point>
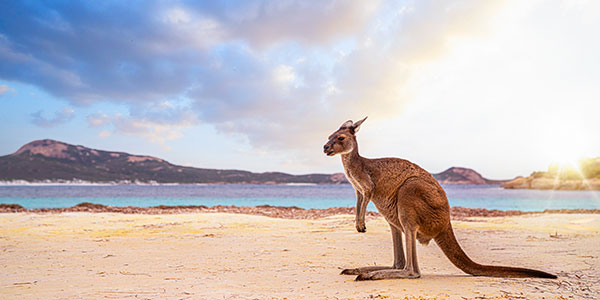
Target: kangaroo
<point>413,203</point>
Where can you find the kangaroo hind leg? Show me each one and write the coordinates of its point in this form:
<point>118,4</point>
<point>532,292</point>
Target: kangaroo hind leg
<point>410,270</point>
<point>408,217</point>
<point>399,260</point>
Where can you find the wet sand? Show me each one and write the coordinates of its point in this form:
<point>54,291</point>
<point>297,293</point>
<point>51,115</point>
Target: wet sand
<point>103,255</point>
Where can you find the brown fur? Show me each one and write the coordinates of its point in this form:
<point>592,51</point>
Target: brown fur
<point>413,203</point>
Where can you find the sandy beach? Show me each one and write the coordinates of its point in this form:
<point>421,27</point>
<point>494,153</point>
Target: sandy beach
<point>84,255</point>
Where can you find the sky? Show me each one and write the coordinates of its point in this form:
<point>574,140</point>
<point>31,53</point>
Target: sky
<point>503,87</point>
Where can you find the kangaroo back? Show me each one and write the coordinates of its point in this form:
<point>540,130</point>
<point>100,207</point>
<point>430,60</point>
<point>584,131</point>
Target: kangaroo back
<point>447,242</point>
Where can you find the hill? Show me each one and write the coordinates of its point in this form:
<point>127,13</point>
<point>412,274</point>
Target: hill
<point>54,161</point>
<point>456,175</point>
<point>50,160</point>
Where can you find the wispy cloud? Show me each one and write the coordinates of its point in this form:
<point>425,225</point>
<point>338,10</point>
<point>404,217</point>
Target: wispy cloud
<point>159,123</point>
<point>59,118</point>
<point>4,88</point>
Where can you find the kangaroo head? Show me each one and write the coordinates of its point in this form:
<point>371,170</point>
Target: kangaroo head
<point>343,140</point>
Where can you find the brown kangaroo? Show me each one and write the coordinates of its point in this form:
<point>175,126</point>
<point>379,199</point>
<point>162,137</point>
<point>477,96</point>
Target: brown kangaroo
<point>413,203</point>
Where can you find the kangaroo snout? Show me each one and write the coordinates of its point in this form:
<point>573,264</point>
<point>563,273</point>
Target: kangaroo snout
<point>327,149</point>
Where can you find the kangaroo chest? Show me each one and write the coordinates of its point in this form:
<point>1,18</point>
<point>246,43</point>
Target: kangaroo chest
<point>353,181</point>
<point>359,181</point>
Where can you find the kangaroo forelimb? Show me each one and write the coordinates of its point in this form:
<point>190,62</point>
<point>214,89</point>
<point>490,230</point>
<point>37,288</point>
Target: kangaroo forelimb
<point>361,210</point>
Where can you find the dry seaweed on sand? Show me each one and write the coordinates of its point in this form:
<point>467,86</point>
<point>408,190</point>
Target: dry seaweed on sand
<point>282,212</point>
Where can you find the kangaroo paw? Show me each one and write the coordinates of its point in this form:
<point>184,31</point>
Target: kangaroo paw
<point>387,274</point>
<point>361,228</point>
<point>350,272</point>
<point>356,271</point>
<point>363,277</point>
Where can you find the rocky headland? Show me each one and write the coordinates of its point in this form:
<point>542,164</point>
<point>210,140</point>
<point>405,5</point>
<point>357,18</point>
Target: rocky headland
<point>585,176</point>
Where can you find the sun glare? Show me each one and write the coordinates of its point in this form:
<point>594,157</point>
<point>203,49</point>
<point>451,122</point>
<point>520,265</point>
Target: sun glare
<point>566,141</point>
<point>566,157</point>
<point>566,153</point>
<point>564,162</point>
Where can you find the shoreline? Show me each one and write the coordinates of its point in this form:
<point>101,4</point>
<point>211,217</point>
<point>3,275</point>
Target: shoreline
<point>23,183</point>
<point>280,212</point>
<point>520,183</point>
<point>149,183</point>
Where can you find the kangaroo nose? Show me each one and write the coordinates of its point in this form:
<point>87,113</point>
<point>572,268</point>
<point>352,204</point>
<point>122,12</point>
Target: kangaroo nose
<point>326,147</point>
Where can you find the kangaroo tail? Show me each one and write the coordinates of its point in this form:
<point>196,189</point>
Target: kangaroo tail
<point>447,242</point>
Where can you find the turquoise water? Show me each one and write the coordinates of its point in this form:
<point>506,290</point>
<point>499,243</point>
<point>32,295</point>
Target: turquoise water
<point>305,196</point>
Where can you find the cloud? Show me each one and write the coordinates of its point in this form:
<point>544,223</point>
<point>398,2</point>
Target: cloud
<point>294,106</point>
<point>281,73</point>
<point>157,123</point>
<point>104,133</point>
<point>88,52</point>
<point>59,118</point>
<point>262,23</point>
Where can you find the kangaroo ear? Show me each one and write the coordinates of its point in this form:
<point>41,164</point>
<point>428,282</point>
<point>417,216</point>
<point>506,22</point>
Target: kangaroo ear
<point>347,124</point>
<point>356,126</point>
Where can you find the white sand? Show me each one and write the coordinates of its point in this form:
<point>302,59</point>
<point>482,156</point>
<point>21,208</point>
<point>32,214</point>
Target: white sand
<point>227,256</point>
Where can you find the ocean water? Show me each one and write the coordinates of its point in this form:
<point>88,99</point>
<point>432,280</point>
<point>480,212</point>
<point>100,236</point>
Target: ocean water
<point>304,196</point>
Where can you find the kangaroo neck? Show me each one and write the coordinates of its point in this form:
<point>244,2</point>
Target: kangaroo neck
<point>352,161</point>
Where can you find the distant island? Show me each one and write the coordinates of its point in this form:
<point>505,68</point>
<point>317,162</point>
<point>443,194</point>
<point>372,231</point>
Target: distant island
<point>585,176</point>
<point>50,161</point>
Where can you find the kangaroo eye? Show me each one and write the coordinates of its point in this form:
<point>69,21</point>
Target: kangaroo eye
<point>341,138</point>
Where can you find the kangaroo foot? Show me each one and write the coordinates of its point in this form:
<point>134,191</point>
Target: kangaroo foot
<point>361,227</point>
<point>387,274</point>
<point>357,271</point>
